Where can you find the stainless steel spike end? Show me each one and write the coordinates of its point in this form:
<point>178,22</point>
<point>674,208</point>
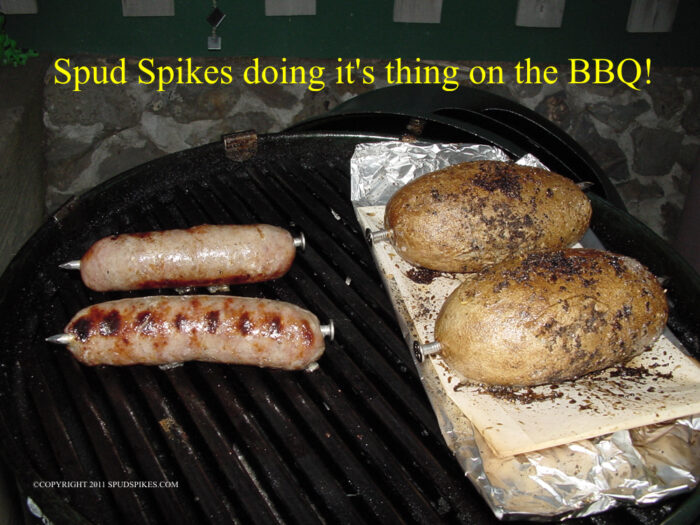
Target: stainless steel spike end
<point>423,350</point>
<point>328,330</point>
<point>378,236</point>
<point>60,339</point>
<point>300,242</point>
<point>70,265</point>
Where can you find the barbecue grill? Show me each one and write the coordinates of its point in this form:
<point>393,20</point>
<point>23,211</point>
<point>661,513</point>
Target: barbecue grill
<point>353,441</point>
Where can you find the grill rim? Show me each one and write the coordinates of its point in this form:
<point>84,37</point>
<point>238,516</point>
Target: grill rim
<point>5,284</point>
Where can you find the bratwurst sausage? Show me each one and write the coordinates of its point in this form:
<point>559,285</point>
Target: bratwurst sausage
<point>468,216</point>
<point>171,329</point>
<point>205,255</point>
<point>550,317</point>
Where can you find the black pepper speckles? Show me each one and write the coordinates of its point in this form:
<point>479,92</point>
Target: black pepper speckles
<point>498,176</point>
<point>617,265</point>
<point>501,206</point>
<point>435,194</point>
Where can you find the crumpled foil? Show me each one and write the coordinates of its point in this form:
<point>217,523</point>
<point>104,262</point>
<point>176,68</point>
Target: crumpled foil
<point>378,169</point>
<point>639,466</point>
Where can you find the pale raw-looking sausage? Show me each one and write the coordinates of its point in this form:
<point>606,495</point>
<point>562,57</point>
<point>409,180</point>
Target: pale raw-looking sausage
<point>170,329</point>
<point>206,255</point>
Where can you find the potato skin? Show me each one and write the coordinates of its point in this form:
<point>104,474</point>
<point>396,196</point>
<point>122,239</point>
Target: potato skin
<point>471,215</point>
<point>550,317</point>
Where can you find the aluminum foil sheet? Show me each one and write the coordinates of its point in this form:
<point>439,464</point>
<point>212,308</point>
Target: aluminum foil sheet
<point>378,169</point>
<point>639,466</point>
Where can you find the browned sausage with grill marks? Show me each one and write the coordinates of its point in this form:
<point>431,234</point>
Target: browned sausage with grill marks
<point>171,329</point>
<point>205,255</point>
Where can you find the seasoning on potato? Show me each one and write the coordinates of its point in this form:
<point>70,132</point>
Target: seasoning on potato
<point>469,216</point>
<point>550,317</point>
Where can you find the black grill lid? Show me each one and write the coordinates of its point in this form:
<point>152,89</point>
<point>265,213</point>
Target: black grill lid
<point>355,441</point>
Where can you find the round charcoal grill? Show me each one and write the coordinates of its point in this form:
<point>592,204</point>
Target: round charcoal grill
<point>355,441</point>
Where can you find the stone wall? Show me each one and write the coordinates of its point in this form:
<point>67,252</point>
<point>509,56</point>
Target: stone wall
<point>22,184</point>
<point>646,141</point>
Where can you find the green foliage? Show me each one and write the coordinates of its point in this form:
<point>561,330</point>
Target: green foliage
<point>10,54</point>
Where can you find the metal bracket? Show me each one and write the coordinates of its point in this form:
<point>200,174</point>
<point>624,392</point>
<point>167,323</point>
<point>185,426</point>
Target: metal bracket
<point>241,145</point>
<point>64,210</point>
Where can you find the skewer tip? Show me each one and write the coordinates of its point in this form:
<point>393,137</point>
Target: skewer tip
<point>583,186</point>
<point>328,330</point>
<point>60,339</point>
<point>70,265</point>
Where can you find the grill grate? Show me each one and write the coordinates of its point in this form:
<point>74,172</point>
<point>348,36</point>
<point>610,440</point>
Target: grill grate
<point>354,441</point>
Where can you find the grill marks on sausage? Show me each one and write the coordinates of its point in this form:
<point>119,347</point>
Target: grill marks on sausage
<point>146,322</point>
<point>307,334</point>
<point>275,326</point>
<point>111,323</point>
<point>82,328</point>
<point>180,321</point>
<point>271,326</point>
<point>228,319</point>
<point>212,321</point>
<point>97,321</point>
<point>244,324</point>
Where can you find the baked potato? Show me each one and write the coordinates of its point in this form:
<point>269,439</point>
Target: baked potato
<point>468,216</point>
<point>550,317</point>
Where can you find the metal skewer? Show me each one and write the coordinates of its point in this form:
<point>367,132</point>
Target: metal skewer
<point>60,339</point>
<point>583,186</point>
<point>300,242</point>
<point>423,350</point>
<point>328,330</point>
<point>70,265</point>
<point>378,236</point>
